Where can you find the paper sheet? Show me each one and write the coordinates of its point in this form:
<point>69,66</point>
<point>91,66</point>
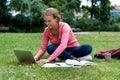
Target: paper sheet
<point>69,63</point>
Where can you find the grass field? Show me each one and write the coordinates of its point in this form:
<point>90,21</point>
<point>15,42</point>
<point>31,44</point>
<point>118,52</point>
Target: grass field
<point>10,69</point>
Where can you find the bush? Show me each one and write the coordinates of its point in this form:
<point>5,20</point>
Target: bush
<point>87,24</point>
<point>20,23</point>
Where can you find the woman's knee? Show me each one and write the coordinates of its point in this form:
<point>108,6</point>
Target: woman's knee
<point>51,48</point>
<point>88,48</point>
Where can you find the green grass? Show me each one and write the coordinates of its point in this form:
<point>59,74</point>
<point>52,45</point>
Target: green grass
<point>10,69</point>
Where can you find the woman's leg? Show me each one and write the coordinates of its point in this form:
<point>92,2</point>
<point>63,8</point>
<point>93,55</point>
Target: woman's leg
<point>82,50</point>
<point>65,54</point>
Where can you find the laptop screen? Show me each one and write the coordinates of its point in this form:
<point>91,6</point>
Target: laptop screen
<point>24,56</point>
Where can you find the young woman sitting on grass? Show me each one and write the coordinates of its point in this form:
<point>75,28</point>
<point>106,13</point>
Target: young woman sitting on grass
<point>64,44</point>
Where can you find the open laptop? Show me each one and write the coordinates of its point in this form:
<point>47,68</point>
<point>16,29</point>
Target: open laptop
<point>24,56</point>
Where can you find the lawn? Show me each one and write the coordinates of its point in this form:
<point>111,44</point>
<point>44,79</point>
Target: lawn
<point>10,69</point>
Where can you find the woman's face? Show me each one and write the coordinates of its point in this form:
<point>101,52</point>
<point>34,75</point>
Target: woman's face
<point>50,21</point>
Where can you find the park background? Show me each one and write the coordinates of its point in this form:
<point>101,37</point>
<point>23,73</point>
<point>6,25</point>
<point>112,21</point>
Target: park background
<point>25,15</point>
<point>23,30</point>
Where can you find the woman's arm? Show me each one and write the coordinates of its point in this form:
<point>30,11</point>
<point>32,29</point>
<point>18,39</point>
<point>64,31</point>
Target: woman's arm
<point>44,44</point>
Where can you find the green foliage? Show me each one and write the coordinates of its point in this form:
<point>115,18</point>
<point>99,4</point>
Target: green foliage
<point>105,11</point>
<point>5,17</point>
<point>85,23</point>
<point>21,23</point>
<point>68,15</point>
<point>73,5</point>
<point>10,69</point>
<point>30,15</point>
<point>60,5</point>
<point>66,9</point>
<point>29,19</point>
<point>115,19</point>
<point>100,10</point>
<point>28,6</point>
<point>100,16</point>
<point>3,5</point>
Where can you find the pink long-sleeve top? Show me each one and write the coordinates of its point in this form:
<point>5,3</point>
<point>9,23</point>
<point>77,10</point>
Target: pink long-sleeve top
<point>65,40</point>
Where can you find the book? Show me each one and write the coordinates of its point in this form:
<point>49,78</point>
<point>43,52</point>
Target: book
<point>69,63</point>
<point>81,63</point>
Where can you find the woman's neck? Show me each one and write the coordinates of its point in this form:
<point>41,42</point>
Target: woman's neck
<point>55,28</point>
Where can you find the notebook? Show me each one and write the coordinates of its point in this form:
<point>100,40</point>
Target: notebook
<point>24,56</point>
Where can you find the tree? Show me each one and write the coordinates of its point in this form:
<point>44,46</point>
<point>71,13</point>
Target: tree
<point>4,15</point>
<point>100,9</point>
<point>94,8</point>
<point>71,7</point>
<point>105,11</point>
<point>29,8</point>
<point>66,9</point>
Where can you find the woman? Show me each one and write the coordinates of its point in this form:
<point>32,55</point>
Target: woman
<point>63,45</point>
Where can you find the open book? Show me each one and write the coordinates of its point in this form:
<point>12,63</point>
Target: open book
<point>69,63</point>
<point>79,63</point>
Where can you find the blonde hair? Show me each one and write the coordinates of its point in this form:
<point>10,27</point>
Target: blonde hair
<point>52,12</point>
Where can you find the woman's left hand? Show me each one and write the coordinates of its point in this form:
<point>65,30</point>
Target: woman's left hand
<point>42,61</point>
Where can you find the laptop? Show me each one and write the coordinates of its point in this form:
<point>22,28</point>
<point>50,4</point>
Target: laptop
<point>24,56</point>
